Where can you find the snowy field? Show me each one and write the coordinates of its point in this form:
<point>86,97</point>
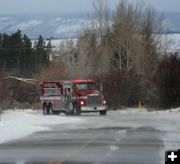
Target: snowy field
<point>15,124</point>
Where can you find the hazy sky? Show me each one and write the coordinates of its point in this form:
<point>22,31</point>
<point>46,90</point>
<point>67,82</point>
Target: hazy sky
<point>61,6</point>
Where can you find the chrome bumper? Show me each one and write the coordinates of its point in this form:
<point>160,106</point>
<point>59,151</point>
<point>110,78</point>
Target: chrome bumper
<point>93,108</point>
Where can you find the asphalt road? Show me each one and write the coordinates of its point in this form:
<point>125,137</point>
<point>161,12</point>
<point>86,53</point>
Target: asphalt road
<point>119,138</point>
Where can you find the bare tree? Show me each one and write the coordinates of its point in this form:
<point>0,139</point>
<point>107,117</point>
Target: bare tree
<point>125,39</point>
<point>135,45</point>
<point>101,16</point>
<point>90,54</point>
<point>128,43</point>
<point>85,53</point>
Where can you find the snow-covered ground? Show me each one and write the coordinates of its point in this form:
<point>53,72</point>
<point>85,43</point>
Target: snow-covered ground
<point>174,41</point>
<point>16,124</point>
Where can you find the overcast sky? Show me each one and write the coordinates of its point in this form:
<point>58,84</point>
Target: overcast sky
<point>64,6</point>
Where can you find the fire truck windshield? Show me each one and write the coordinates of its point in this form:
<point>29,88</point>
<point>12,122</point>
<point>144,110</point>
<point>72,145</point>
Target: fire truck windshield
<point>86,86</point>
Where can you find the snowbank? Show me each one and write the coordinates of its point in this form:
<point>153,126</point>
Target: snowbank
<point>132,111</point>
<point>16,124</point>
<point>145,110</point>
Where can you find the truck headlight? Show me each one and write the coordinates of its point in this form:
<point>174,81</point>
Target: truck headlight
<point>104,102</point>
<point>82,102</point>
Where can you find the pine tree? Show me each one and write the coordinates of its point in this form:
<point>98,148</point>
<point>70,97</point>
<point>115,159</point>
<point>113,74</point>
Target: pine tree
<point>41,55</point>
<point>27,57</point>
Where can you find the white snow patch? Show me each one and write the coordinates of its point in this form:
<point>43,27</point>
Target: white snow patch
<point>174,42</point>
<point>74,25</point>
<point>113,148</point>
<point>133,110</point>
<point>15,124</point>
<point>56,20</point>
<point>26,25</point>
<point>67,28</point>
<point>145,110</point>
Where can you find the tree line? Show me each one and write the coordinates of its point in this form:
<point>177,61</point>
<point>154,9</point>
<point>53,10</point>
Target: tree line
<point>19,57</point>
<point>128,53</point>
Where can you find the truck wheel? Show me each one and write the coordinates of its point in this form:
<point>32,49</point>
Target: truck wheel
<point>45,110</point>
<point>51,111</point>
<point>103,112</point>
<point>70,109</point>
<point>76,109</point>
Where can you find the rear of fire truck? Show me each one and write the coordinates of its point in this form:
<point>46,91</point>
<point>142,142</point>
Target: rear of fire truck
<point>51,97</point>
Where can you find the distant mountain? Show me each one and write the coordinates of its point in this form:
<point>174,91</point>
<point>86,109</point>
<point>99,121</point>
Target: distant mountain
<point>55,25</point>
<point>63,25</point>
<point>172,22</point>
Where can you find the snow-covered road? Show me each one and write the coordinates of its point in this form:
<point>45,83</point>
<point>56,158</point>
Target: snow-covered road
<point>126,136</point>
<point>15,124</point>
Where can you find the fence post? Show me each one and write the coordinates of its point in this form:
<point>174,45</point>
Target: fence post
<point>139,106</point>
<point>0,114</point>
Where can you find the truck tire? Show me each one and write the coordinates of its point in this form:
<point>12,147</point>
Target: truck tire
<point>103,112</point>
<point>45,109</point>
<point>51,111</point>
<point>76,110</point>
<point>48,110</point>
<point>70,109</point>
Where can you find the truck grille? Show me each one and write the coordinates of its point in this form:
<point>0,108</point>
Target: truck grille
<point>94,100</point>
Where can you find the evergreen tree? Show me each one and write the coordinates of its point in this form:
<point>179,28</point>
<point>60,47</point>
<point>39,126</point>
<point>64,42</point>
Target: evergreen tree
<point>18,57</point>
<point>27,57</point>
<point>41,55</point>
<point>17,50</point>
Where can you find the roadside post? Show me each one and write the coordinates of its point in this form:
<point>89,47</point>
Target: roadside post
<point>139,106</point>
<point>1,114</point>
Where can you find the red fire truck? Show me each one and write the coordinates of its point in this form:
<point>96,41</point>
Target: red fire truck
<point>71,97</point>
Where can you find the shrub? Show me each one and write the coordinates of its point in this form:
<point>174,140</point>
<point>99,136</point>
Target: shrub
<point>167,80</point>
<point>16,93</point>
<point>120,88</point>
<point>53,72</point>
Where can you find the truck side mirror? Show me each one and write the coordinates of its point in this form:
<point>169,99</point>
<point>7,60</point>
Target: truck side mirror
<point>101,87</point>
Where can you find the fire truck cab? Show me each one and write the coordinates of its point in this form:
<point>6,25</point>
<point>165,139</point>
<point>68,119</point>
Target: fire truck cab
<point>71,97</point>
